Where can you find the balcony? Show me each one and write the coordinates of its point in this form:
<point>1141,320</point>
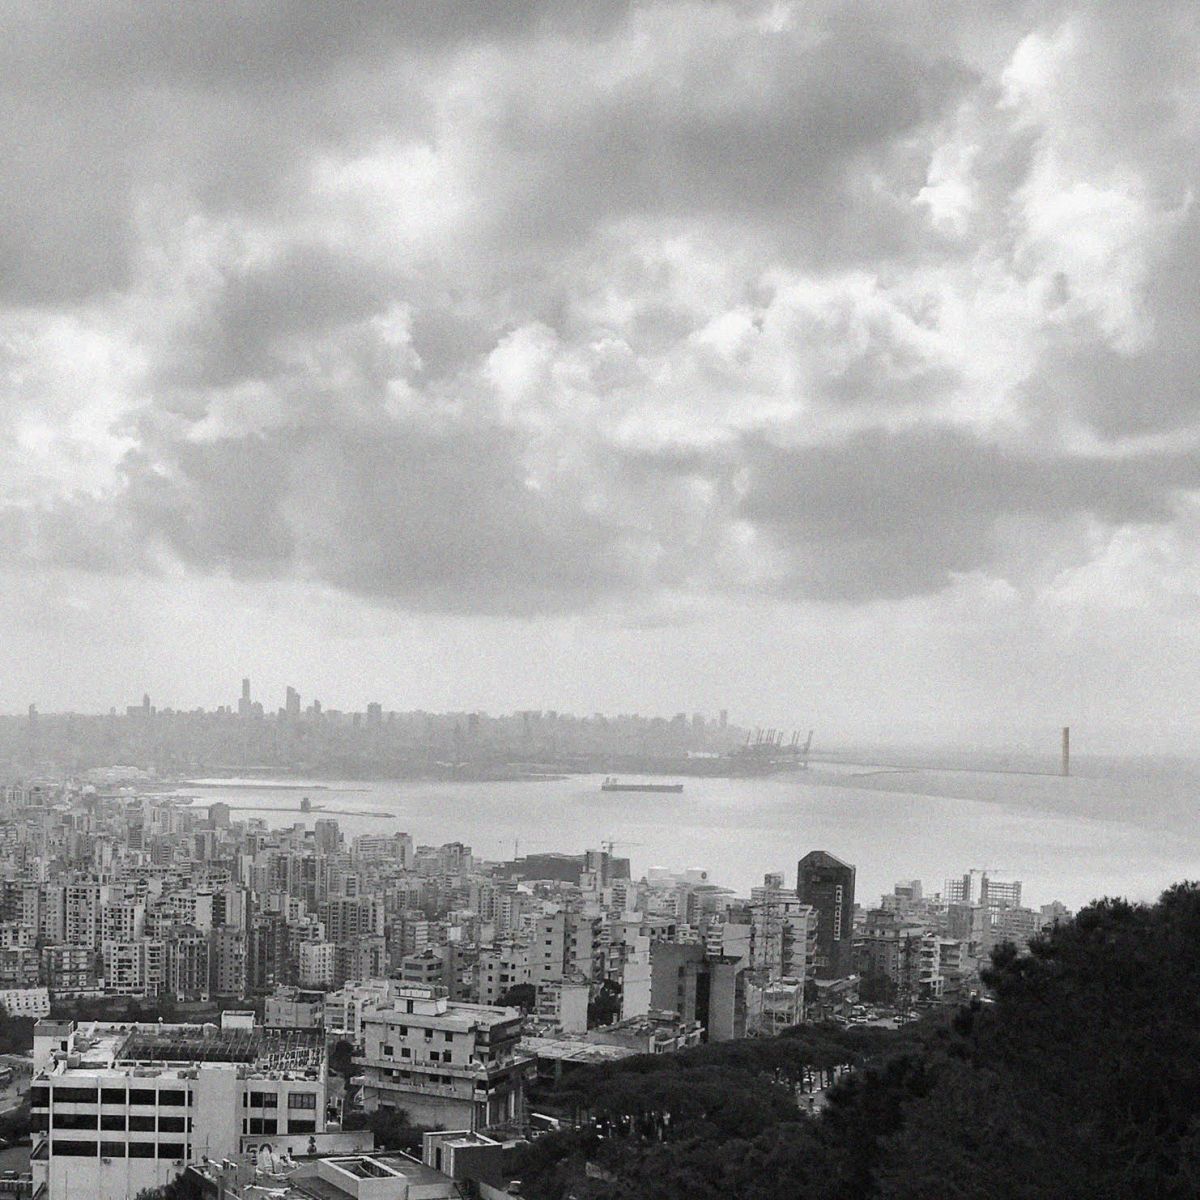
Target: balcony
<point>413,1085</point>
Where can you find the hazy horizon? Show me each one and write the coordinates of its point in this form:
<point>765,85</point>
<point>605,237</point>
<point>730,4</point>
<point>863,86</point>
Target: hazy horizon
<point>833,364</point>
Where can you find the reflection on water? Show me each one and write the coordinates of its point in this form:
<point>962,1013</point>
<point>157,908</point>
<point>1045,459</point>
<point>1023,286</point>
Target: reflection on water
<point>1127,829</point>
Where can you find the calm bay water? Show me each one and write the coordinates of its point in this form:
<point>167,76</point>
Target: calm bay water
<point>1112,829</point>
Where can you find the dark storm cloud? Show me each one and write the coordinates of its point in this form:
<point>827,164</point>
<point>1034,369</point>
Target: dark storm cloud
<point>304,291</point>
<point>888,515</point>
<point>244,42</point>
<point>404,513</point>
<point>102,102</point>
<point>409,289</point>
<point>780,151</point>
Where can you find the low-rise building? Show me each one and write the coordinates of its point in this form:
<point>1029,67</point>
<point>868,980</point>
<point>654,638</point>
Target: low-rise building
<point>294,1008</point>
<point>25,1002</point>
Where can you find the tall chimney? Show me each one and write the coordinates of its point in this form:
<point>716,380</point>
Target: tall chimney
<point>1066,750</point>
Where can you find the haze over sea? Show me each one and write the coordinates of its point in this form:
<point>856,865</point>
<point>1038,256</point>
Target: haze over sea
<point>1116,827</point>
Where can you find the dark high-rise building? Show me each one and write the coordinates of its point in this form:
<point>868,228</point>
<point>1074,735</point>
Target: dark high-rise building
<point>827,884</point>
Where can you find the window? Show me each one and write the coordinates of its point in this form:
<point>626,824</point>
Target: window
<point>405,1052</point>
<point>141,1095</point>
<point>302,1127</point>
<point>74,1095</point>
<point>170,1125</point>
<point>141,1124</point>
<point>263,1125</point>
<point>39,1097</point>
<point>74,1120</point>
<point>167,1096</point>
<point>73,1149</point>
<point>388,1051</point>
<point>448,1037</point>
<point>170,1149</point>
<point>141,1149</point>
<point>39,1122</point>
<point>112,1120</point>
<point>264,1100</point>
<point>112,1149</point>
<point>302,1100</point>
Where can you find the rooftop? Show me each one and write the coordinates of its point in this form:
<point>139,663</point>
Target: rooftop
<point>333,1178</point>
<point>565,1049</point>
<point>102,1045</point>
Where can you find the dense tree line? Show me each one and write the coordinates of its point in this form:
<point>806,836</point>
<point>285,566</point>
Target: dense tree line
<point>1080,1079</point>
<point>16,1033</point>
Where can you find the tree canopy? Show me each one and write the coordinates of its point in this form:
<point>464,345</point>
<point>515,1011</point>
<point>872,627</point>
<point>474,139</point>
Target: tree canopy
<point>1080,1077</point>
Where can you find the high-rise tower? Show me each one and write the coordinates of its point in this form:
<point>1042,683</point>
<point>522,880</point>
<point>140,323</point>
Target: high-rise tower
<point>827,884</point>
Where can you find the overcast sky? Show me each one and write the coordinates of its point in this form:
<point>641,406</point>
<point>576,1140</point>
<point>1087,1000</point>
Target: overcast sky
<point>831,363</point>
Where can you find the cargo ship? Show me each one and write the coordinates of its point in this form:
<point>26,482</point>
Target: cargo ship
<point>612,784</point>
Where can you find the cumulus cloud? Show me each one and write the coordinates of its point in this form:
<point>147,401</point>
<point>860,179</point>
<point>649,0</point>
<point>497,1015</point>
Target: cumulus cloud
<point>530,308</point>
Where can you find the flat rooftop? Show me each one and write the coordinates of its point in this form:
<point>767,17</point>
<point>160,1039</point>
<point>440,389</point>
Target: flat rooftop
<point>276,1049</point>
<point>105,1045</point>
<point>570,1050</point>
<point>305,1182</point>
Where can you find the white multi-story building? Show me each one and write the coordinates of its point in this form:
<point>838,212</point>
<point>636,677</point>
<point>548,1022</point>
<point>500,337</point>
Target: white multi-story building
<point>123,921</point>
<point>563,1004</point>
<point>134,968</point>
<point>501,967</point>
<point>565,944</point>
<point>83,913</point>
<point>118,1108</point>
<point>318,964</point>
<point>25,1002</point>
<point>782,934</point>
<point>345,1009</point>
<point>444,1063</point>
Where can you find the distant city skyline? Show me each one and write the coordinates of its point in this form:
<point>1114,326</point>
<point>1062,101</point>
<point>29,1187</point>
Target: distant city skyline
<point>848,385</point>
<point>296,702</point>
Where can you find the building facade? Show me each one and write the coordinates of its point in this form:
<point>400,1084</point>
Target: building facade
<point>444,1063</point>
<point>827,884</point>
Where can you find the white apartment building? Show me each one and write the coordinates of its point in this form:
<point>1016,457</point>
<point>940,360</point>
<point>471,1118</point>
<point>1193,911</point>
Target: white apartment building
<point>135,968</point>
<point>118,1108</point>
<point>500,967</point>
<point>563,1004</point>
<point>84,904</point>
<point>565,944</point>
<point>123,921</point>
<point>783,933</point>
<point>318,964</point>
<point>25,1002</point>
<point>345,1009</point>
<point>444,1063</point>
